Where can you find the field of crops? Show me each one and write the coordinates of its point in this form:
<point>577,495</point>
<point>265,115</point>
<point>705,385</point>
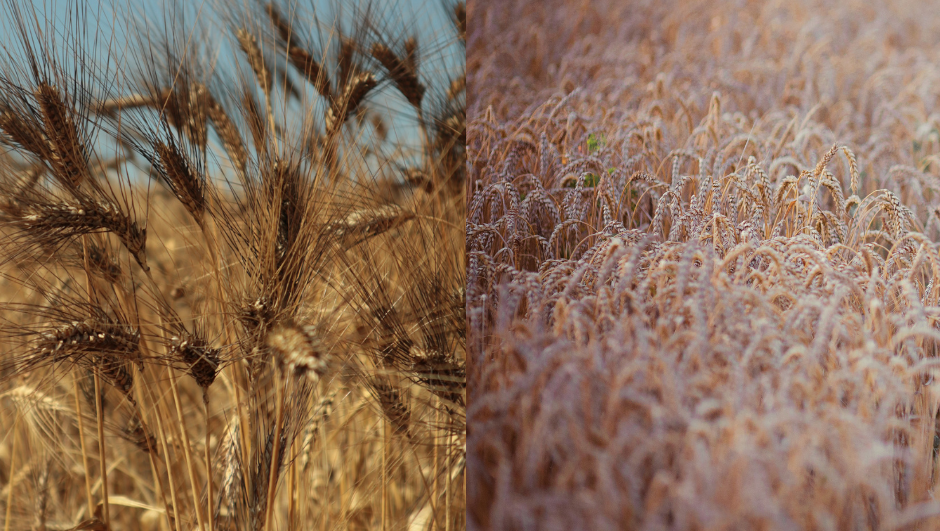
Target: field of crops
<point>703,270</point>
<point>232,276</point>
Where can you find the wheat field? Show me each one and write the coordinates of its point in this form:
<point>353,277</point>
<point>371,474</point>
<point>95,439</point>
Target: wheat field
<point>703,280</point>
<point>232,275</point>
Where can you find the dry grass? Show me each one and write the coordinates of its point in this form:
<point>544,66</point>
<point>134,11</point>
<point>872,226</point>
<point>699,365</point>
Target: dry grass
<point>703,275</point>
<point>225,301</point>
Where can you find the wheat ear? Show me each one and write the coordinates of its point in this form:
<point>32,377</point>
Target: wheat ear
<point>402,71</point>
<point>460,16</point>
<point>300,58</point>
<point>71,161</point>
<point>185,184</point>
<point>354,92</point>
<point>228,133</point>
<point>249,44</point>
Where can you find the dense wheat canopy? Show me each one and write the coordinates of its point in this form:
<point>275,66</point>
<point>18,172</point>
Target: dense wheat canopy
<point>703,270</point>
<point>232,270</point>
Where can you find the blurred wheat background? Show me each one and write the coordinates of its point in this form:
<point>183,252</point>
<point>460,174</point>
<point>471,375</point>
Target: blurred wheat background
<point>232,277</point>
<point>703,270</point>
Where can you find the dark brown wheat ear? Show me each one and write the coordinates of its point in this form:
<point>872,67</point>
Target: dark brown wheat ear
<point>303,60</point>
<point>195,355</point>
<point>460,16</point>
<point>70,161</point>
<point>402,70</point>
<point>52,224</point>
<point>21,133</point>
<point>182,179</point>
<point>393,406</point>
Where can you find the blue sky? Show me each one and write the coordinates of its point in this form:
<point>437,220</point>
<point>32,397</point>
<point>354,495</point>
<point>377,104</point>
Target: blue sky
<point>113,27</point>
<point>427,18</point>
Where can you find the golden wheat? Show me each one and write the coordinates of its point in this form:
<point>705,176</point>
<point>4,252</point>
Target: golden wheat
<point>189,257</point>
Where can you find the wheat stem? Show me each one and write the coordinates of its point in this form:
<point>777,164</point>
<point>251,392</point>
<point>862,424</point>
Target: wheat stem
<point>205,399</point>
<point>166,452</point>
<point>385,475</point>
<point>151,454</point>
<point>81,438</point>
<point>212,245</point>
<point>436,466</point>
<point>99,406</point>
<point>292,487</point>
<point>6,525</point>
<point>169,467</point>
<point>447,484</point>
<point>275,454</point>
<point>174,390</point>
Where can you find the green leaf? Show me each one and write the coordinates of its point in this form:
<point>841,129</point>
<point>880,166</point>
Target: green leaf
<point>594,143</point>
<point>590,181</point>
